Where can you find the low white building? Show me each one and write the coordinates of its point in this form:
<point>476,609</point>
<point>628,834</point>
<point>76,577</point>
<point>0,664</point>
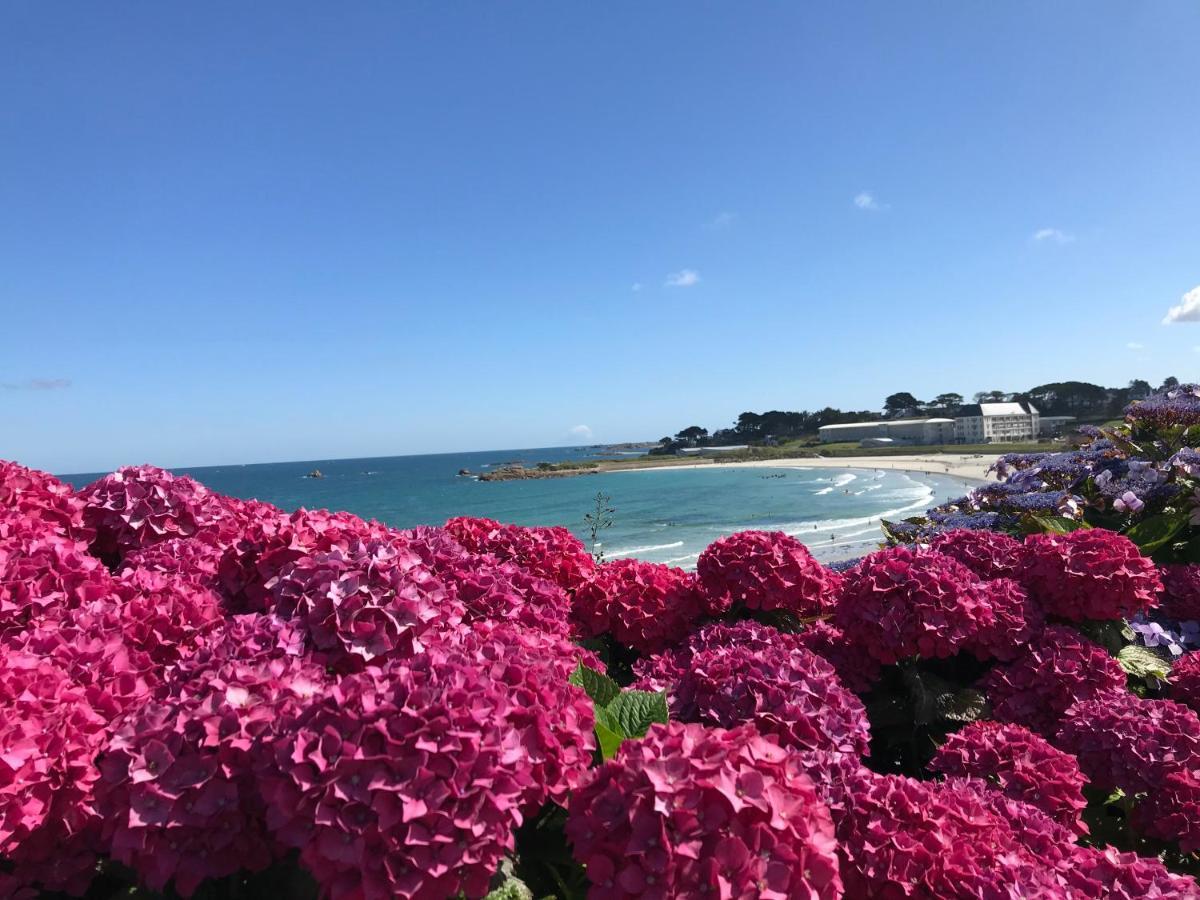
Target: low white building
<point>898,431</point>
<point>981,423</point>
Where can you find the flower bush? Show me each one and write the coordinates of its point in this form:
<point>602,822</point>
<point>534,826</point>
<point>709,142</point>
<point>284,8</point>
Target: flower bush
<point>692,812</point>
<point>765,571</point>
<point>200,694</point>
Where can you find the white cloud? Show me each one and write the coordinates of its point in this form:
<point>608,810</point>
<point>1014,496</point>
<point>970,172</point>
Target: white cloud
<point>866,200</point>
<point>1053,234</point>
<point>683,278</point>
<point>636,286</point>
<point>723,219</point>
<point>1134,345</point>
<point>38,384</point>
<point>1188,309</point>
<point>583,432</point>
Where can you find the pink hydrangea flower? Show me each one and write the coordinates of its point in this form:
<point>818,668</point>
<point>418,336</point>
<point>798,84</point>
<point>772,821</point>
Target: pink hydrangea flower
<point>989,554</point>
<point>365,602</point>
<point>857,670</point>
<point>1012,619</point>
<point>42,572</point>
<point>765,570</point>
<point>904,602</point>
<point>1088,574</point>
<point>643,605</point>
<point>503,592</point>
<point>691,811</point>
<point>1022,764</point>
<point>1058,669</point>
<point>33,495</point>
<point>552,553</point>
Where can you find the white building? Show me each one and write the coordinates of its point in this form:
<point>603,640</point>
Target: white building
<point>997,423</point>
<point>981,423</point>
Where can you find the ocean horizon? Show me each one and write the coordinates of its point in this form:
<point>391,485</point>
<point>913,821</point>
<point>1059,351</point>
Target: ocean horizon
<point>666,515</point>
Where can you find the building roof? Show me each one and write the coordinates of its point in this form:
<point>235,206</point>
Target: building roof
<point>849,425</point>
<point>997,409</point>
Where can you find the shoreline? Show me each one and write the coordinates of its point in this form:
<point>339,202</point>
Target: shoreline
<point>958,465</point>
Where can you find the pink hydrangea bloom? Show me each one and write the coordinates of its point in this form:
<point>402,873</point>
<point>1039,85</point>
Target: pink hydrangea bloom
<point>1125,741</point>
<point>137,506</point>
<point>1012,620</point>
<point>1088,574</point>
<point>1058,669</point>
<point>30,494</point>
<point>1185,681</point>
<point>42,572</point>
<point>552,553</point>
<point>163,615</point>
<point>663,671</point>
<point>1104,873</point>
<point>904,602</point>
<point>857,671</point>
<point>192,559</point>
<point>691,811</point>
<point>643,605</point>
<point>179,788</point>
<point>366,601</point>
<point>989,554</point>
<point>765,570</point>
<point>787,692</point>
<point>1171,812</point>
<point>403,781</point>
<point>1023,765</point>
<point>901,838</point>
<point>1181,592</point>
<point>50,732</point>
<point>503,592</point>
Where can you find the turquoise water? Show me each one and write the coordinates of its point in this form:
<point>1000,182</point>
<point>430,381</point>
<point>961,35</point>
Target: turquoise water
<point>663,515</point>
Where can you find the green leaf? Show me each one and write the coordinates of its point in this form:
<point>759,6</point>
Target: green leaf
<point>1115,797</point>
<point>635,711</point>
<point>1141,662</point>
<point>608,734</point>
<point>602,689</point>
<point>1156,531</point>
<point>1112,635</point>
<point>1056,524</point>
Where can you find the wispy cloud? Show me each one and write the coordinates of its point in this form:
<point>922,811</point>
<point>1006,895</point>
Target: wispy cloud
<point>722,220</point>
<point>1054,235</point>
<point>38,384</point>
<point>1134,345</point>
<point>636,286</point>
<point>582,432</point>
<point>683,278</point>
<point>866,200</point>
<point>1188,309</point>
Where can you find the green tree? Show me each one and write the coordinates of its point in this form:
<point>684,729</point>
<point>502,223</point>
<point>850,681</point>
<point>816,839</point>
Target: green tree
<point>897,404</point>
<point>692,434</point>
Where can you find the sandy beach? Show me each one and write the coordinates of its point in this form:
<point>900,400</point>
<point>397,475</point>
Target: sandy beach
<point>960,465</point>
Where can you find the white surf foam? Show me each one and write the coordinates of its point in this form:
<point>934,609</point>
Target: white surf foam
<point>633,551</point>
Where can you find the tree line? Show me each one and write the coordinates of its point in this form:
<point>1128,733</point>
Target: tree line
<point>1081,399</point>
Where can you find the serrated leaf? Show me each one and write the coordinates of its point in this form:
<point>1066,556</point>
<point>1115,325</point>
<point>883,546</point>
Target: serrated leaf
<point>602,689</point>
<point>1141,662</point>
<point>635,711</point>
<point>1056,524</point>
<point>967,705</point>
<point>608,735</point>
<point>1112,635</point>
<point>1156,531</point>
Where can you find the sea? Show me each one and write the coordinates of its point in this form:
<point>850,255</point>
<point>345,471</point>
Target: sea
<point>666,515</point>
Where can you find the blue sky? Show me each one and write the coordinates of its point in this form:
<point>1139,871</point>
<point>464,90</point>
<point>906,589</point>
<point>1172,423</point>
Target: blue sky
<point>246,232</point>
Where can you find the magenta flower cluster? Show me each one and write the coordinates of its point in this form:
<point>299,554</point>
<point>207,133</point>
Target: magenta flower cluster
<point>643,605</point>
<point>704,812</point>
<point>765,570</point>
